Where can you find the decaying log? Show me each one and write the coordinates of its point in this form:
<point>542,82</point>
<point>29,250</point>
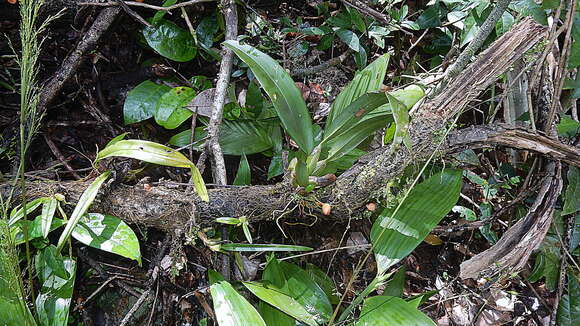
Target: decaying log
<point>170,209</point>
<point>512,251</point>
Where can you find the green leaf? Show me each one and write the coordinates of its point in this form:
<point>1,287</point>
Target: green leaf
<point>48,210</point>
<point>231,309</point>
<point>157,154</point>
<point>206,31</point>
<point>296,283</point>
<point>325,282</point>
<point>244,175</point>
<point>280,87</point>
<point>353,113</point>
<point>394,237</point>
<point>349,38</point>
<point>572,194</point>
<point>141,101</point>
<point>568,127</point>
<point>108,233</point>
<point>285,303</point>
<point>170,111</point>
<point>547,263</point>
<point>378,118</point>
<point>171,41</point>
<point>57,277</point>
<point>391,311</point>
<point>365,81</point>
<point>237,137</point>
<point>396,285</point>
<point>431,17</point>
<point>569,307</point>
<point>34,229</point>
<point>161,13</point>
<point>18,213</point>
<point>244,247</point>
<point>82,206</point>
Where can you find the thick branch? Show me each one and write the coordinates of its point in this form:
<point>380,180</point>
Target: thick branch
<point>170,209</point>
<point>510,136</point>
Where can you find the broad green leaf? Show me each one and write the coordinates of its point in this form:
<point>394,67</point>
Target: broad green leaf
<point>18,213</point>
<point>396,284</point>
<point>396,236</point>
<point>568,127</point>
<point>353,113</point>
<point>349,38</point>
<point>572,194</point>
<point>431,17</point>
<point>365,81</point>
<point>262,247</point>
<point>170,112</point>
<point>244,174</point>
<point>13,304</point>
<point>48,210</point>
<point>296,283</point>
<point>53,302</point>
<point>171,41</point>
<point>81,208</point>
<point>141,101</point>
<point>34,229</point>
<point>277,299</point>
<point>237,137</point>
<point>569,307</point>
<point>231,309</point>
<point>347,141</point>
<point>272,275</point>
<point>547,263</point>
<point>280,87</point>
<point>325,282</point>
<point>157,154</point>
<point>391,311</point>
<point>108,233</point>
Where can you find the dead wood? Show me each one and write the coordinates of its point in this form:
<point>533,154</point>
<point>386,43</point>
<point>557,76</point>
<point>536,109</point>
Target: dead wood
<point>72,62</point>
<point>170,209</point>
<point>512,251</point>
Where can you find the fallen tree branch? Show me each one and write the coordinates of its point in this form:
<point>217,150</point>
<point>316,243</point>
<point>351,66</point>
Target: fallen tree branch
<point>170,209</point>
<point>72,62</point>
<point>144,5</point>
<point>512,251</point>
<point>510,136</point>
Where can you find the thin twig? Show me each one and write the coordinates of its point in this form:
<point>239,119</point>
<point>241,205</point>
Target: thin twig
<point>132,13</point>
<point>321,67</point>
<point>144,5</point>
<point>60,157</point>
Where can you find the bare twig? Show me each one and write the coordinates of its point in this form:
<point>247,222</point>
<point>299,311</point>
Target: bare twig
<point>212,144</point>
<point>213,128</point>
<point>367,10</point>
<point>144,5</point>
<point>132,13</point>
<point>74,59</point>
<point>60,157</point>
<point>321,67</point>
